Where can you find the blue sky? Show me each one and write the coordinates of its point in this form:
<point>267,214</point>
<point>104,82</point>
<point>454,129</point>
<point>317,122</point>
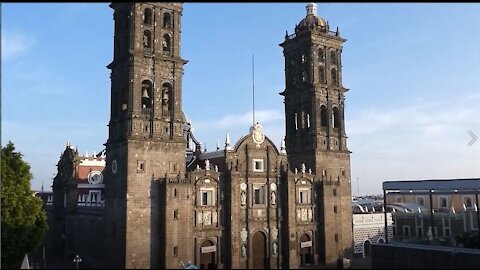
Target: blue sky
<point>413,71</point>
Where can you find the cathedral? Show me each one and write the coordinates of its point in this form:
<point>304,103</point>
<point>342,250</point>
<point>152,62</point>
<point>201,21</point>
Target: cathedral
<point>249,205</point>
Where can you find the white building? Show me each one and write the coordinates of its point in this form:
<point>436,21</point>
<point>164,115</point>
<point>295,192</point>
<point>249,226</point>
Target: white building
<point>369,228</point>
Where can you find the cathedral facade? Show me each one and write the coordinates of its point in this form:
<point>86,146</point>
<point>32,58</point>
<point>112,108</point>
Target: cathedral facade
<point>248,205</point>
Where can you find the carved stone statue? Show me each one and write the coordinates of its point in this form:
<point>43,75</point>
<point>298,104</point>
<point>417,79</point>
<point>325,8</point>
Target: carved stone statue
<point>243,198</point>
<point>207,164</point>
<point>274,248</point>
<point>244,251</point>
<point>274,198</point>
<point>303,167</point>
<point>274,233</point>
<point>243,235</point>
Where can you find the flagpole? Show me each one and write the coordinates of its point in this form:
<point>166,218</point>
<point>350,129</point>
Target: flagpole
<point>253,88</point>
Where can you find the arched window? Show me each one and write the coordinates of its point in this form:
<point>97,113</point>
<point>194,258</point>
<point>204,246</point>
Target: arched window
<point>333,58</point>
<point>166,44</point>
<point>321,74</point>
<point>147,16</point>
<point>147,94</point>
<point>147,39</point>
<point>323,116</point>
<point>167,20</point>
<point>334,77</point>
<point>321,55</point>
<point>336,118</point>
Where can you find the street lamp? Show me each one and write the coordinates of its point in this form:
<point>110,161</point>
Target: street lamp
<point>77,260</point>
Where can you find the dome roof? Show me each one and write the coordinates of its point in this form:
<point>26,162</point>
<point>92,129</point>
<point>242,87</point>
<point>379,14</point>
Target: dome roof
<point>311,20</point>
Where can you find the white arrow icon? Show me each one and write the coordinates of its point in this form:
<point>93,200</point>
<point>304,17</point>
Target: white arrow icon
<point>474,138</point>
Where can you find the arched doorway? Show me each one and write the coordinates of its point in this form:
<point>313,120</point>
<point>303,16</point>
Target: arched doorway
<point>306,256</point>
<point>381,241</point>
<point>259,251</point>
<point>367,248</point>
<point>207,255</point>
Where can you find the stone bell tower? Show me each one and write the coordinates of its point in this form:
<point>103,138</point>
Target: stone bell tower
<point>315,127</point>
<point>145,128</point>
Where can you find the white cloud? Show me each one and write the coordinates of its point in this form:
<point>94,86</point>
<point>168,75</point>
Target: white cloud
<point>209,132</point>
<point>234,120</point>
<point>419,141</point>
<point>14,44</point>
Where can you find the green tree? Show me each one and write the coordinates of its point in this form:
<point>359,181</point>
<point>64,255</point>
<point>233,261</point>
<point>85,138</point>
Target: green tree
<point>24,222</point>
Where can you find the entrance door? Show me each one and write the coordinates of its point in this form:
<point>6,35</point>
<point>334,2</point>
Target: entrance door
<point>207,255</point>
<point>306,256</point>
<point>259,251</point>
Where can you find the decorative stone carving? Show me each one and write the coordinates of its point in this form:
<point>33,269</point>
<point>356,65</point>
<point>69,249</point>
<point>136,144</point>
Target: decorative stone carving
<point>243,235</point>
<point>273,198</point>
<point>207,218</point>
<point>303,168</point>
<point>207,164</point>
<point>199,218</point>
<point>244,251</point>
<point>274,248</point>
<point>273,186</point>
<point>243,198</point>
<point>214,217</point>
<point>274,233</point>
<point>304,214</point>
<point>243,186</point>
<point>257,134</point>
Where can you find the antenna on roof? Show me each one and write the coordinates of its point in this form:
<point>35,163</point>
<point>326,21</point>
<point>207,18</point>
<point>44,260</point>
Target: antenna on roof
<point>253,87</point>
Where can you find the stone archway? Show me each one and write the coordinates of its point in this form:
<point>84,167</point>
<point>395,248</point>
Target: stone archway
<point>259,251</point>
<point>306,254</point>
<point>208,251</point>
<point>367,248</point>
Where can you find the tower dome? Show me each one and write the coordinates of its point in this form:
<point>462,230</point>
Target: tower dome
<point>311,21</point>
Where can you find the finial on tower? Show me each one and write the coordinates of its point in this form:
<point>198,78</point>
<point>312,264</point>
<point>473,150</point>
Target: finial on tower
<point>218,145</point>
<point>312,9</point>
<point>227,142</point>
<point>283,148</point>
<point>207,164</point>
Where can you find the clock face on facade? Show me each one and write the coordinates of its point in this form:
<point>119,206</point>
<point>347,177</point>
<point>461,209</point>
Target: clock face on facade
<point>95,178</point>
<point>114,166</point>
